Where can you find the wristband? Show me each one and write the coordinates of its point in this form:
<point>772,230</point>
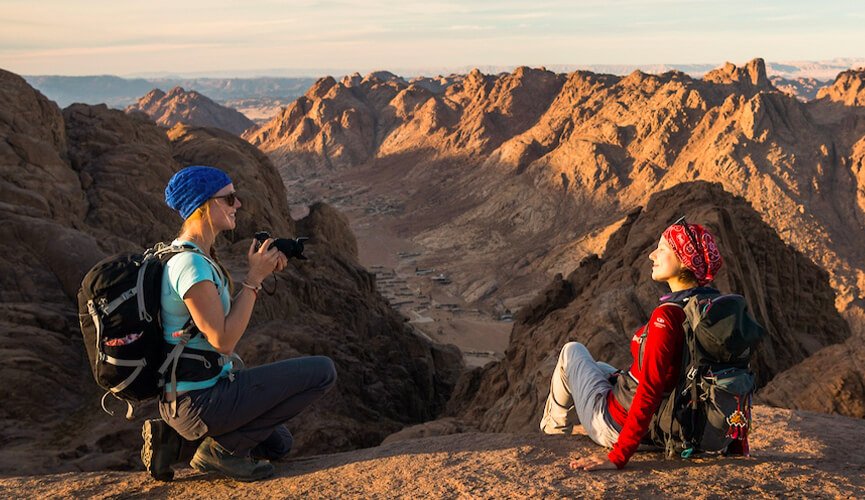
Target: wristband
<point>254,289</point>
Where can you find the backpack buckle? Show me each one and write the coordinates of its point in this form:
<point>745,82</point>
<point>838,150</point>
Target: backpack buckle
<point>692,373</point>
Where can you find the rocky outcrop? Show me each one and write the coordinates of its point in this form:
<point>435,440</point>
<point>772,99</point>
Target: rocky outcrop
<point>339,124</point>
<point>190,108</point>
<point>605,299</point>
<point>748,78</point>
<point>124,163</point>
<point>43,259</point>
<point>848,88</point>
<point>830,381</point>
<point>88,182</point>
<point>34,149</point>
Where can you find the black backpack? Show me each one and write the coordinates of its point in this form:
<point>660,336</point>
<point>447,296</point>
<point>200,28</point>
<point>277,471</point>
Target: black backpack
<point>118,311</point>
<point>711,405</point>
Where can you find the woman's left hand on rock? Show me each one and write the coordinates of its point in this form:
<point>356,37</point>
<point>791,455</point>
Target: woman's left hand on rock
<point>592,462</point>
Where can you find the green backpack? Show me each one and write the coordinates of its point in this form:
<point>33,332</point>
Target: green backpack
<point>711,405</point>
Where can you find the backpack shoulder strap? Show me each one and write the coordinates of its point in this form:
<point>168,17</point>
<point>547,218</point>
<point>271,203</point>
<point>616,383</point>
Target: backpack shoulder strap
<point>169,251</point>
<point>645,333</point>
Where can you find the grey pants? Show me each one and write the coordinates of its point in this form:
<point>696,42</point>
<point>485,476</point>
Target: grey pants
<point>247,414</point>
<point>578,395</point>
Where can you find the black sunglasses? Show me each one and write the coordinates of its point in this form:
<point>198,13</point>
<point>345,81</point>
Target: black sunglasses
<point>694,240</point>
<point>230,198</point>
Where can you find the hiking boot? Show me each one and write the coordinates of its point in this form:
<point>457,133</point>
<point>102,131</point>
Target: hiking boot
<point>160,450</point>
<point>212,457</point>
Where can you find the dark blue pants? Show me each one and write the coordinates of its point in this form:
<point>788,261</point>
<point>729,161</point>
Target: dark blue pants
<point>247,414</point>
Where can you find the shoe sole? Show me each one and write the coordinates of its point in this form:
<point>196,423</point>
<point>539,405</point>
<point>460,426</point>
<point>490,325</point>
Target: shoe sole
<point>204,467</point>
<point>147,454</point>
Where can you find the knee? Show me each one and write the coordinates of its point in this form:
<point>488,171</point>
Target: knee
<point>326,370</point>
<point>571,351</point>
<point>571,348</point>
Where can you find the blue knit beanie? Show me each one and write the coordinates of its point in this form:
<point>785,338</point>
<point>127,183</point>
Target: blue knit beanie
<point>190,187</point>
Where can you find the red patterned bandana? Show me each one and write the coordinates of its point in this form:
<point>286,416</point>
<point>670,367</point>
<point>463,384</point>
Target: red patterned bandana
<point>703,259</point>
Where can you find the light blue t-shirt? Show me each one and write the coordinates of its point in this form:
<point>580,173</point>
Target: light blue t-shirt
<point>179,274</point>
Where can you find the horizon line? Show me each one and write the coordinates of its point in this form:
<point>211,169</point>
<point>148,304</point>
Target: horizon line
<point>419,71</point>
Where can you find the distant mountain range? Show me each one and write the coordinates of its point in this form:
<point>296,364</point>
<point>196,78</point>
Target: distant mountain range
<point>119,92</point>
<point>286,84</point>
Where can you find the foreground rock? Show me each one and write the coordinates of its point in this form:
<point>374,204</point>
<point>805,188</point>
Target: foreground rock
<point>832,381</point>
<point>797,454</point>
<point>190,108</point>
<point>88,182</point>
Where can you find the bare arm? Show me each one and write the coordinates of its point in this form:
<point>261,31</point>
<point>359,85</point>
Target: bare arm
<point>202,299</point>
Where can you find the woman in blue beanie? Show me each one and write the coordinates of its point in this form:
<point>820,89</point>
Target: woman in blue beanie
<point>239,413</point>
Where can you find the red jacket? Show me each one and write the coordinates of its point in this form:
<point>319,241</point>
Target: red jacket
<point>662,360</point>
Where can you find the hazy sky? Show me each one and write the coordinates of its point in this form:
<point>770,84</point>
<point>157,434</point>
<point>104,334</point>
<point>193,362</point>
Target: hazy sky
<point>125,37</point>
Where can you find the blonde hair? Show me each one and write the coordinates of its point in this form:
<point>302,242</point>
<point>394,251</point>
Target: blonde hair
<point>201,215</point>
<point>688,277</point>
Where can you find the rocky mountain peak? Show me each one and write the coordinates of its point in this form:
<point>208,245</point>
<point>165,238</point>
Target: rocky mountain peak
<point>151,97</point>
<point>189,108</point>
<point>848,88</point>
<point>384,76</point>
<point>352,80</point>
<point>321,87</point>
<point>179,91</point>
<point>752,74</point>
<point>437,85</point>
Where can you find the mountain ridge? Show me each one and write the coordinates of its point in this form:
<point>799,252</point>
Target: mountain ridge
<point>189,108</point>
<point>592,144</point>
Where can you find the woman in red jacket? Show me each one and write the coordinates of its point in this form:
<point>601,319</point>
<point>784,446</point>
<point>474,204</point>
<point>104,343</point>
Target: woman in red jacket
<point>616,414</point>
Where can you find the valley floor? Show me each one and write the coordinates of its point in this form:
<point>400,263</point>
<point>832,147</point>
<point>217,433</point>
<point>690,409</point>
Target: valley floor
<point>415,281</point>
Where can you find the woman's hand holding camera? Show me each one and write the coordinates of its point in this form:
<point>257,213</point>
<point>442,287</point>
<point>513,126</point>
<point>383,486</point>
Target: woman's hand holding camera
<point>264,259</point>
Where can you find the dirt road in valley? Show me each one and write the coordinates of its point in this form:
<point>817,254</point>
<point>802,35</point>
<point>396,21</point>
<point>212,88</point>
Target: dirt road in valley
<point>414,280</point>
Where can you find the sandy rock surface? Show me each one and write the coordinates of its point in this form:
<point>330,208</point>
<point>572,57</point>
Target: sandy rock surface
<point>798,454</point>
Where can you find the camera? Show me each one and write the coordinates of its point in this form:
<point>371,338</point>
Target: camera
<point>289,247</point>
